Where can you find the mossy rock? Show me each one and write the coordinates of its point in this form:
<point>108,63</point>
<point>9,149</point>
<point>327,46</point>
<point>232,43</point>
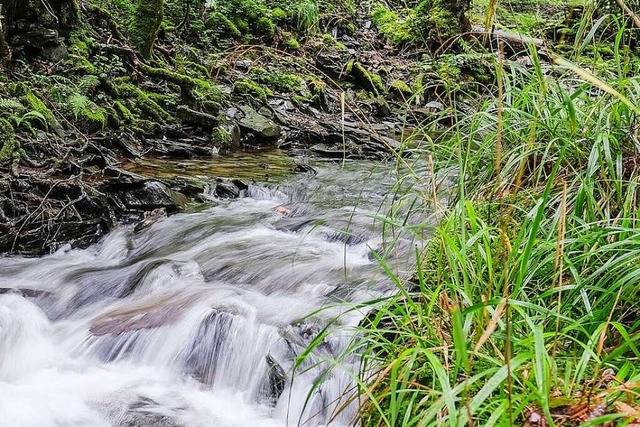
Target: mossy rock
<point>250,87</point>
<point>292,43</point>
<point>222,25</point>
<point>366,79</point>
<point>282,82</point>
<point>401,88</point>
<point>395,29</point>
<point>265,27</point>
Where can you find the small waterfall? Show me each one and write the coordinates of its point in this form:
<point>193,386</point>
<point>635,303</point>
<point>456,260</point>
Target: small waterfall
<point>199,319</point>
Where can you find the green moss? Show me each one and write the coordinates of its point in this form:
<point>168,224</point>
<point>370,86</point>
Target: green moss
<point>124,5</point>
<point>438,21</point>
<point>265,27</point>
<point>367,79</point>
<point>222,25</point>
<point>292,43</point>
<point>395,29</point>
<point>142,101</point>
<point>10,150</point>
<point>401,88</point>
<point>80,63</point>
<point>177,78</point>
<point>279,15</point>
<point>418,83</point>
<point>93,116</point>
<point>145,23</point>
<point>276,81</point>
<point>317,87</point>
<point>250,87</point>
<point>222,137</point>
<point>36,104</point>
<point>123,112</point>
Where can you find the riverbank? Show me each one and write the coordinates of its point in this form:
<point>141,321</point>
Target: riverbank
<point>350,83</point>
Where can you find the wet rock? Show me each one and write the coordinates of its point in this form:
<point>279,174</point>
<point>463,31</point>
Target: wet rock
<point>202,358</point>
<point>304,168</point>
<point>261,126</point>
<point>152,195</point>
<point>196,118</point>
<point>150,218</point>
<point>275,382</point>
<point>150,314</point>
<point>229,189</point>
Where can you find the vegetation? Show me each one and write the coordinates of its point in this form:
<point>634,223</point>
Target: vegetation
<point>523,309</point>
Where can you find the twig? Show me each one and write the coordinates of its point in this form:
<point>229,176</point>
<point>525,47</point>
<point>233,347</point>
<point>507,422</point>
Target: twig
<point>627,11</point>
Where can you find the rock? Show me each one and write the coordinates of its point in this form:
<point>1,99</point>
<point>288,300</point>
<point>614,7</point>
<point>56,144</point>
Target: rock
<point>276,380</point>
<point>152,195</point>
<point>150,218</point>
<point>256,123</point>
<point>304,168</point>
<point>196,118</point>
<point>229,189</point>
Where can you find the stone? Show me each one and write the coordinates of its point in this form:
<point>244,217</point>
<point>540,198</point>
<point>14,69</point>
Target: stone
<point>196,118</point>
<point>261,126</point>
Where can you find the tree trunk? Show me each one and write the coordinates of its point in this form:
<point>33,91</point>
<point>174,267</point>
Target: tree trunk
<point>5,53</point>
<point>145,24</point>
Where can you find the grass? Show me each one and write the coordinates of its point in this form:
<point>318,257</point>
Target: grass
<point>523,308</point>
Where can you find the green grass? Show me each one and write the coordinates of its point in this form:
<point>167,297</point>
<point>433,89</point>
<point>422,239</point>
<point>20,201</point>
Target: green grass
<point>524,304</point>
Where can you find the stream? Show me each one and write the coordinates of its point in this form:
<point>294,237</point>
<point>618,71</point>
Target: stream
<point>198,319</point>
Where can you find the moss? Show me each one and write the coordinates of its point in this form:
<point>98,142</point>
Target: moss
<point>418,83</point>
<point>438,21</point>
<point>145,23</point>
<point>277,81</point>
<point>250,87</point>
<point>80,63</point>
<point>348,68</point>
<point>317,87</point>
<point>174,77</point>
<point>36,104</point>
<point>123,112</point>
<point>396,30</point>
<point>10,149</point>
<point>292,43</point>
<point>222,137</point>
<point>222,25</point>
<point>367,79</point>
<point>125,5</point>
<point>401,88</point>
<point>279,14</point>
<point>265,27</point>
<point>143,101</point>
<point>93,116</point>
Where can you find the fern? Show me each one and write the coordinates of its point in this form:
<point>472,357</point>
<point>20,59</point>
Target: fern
<point>78,103</point>
<point>88,83</point>
<point>10,105</point>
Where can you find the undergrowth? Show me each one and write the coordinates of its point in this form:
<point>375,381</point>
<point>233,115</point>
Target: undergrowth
<point>523,308</point>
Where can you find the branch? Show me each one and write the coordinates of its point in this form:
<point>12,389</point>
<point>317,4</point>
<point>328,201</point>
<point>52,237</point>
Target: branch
<point>627,11</point>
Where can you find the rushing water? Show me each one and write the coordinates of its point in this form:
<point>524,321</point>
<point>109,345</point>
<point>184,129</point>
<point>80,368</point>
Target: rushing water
<point>197,320</point>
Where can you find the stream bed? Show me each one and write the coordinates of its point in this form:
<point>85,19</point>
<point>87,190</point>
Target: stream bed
<point>198,319</point>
